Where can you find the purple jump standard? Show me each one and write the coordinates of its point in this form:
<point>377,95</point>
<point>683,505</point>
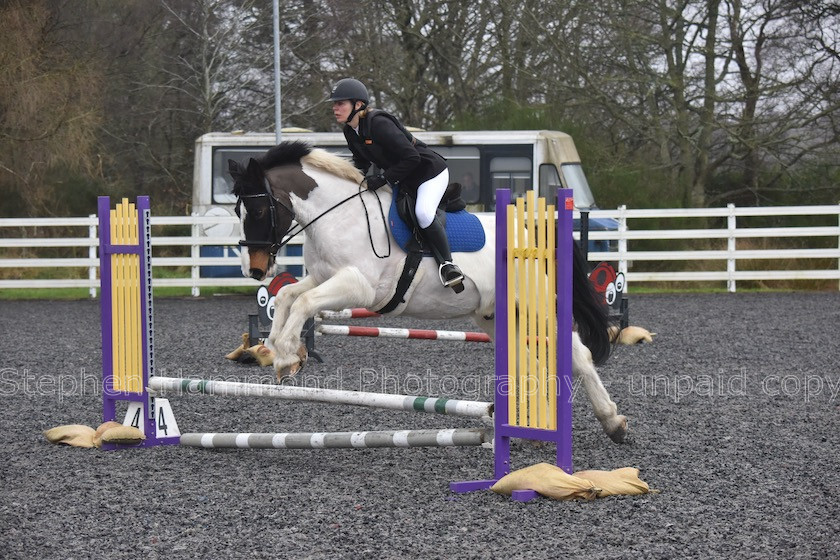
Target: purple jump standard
<point>503,430</point>
<point>125,258</point>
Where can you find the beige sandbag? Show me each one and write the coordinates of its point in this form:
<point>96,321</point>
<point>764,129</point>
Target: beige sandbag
<point>549,480</point>
<point>124,435</point>
<point>618,482</point>
<point>236,354</point>
<point>261,353</point>
<point>630,335</point>
<point>97,437</point>
<point>75,435</point>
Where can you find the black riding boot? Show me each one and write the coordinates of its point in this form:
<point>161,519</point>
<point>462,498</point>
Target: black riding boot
<point>450,275</point>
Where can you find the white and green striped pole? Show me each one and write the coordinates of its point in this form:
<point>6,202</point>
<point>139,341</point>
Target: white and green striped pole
<point>160,386</point>
<point>324,440</point>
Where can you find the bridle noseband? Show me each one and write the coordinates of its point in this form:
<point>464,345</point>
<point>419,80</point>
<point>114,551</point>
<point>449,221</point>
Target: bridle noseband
<point>272,244</point>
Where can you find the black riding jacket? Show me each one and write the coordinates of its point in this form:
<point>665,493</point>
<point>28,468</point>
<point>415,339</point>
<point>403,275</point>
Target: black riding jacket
<point>406,161</point>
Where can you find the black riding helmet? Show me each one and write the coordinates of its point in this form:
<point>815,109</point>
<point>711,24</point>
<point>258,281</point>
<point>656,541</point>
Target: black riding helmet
<point>352,90</point>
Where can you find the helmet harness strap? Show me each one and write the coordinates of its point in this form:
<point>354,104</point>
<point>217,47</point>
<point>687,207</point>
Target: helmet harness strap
<point>354,110</point>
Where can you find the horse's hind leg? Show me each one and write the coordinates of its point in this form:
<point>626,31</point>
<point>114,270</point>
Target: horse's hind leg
<point>485,324</point>
<point>348,288</point>
<point>614,424</point>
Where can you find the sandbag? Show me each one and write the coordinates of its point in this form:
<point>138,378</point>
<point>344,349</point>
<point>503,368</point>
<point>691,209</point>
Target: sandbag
<point>630,335</point>
<point>123,435</point>
<point>97,437</point>
<point>261,353</point>
<point>549,480</point>
<point>553,482</point>
<point>618,482</point>
<point>74,435</point>
<point>236,354</point>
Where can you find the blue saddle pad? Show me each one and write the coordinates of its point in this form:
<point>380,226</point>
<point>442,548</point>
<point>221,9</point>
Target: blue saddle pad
<point>464,230</point>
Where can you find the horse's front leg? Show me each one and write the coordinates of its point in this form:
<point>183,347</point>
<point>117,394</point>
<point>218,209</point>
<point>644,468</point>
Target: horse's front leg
<point>605,409</point>
<point>347,288</point>
<point>284,299</point>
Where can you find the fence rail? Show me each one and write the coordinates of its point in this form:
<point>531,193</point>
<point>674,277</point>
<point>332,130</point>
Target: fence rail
<point>817,256</point>
<point>194,240</point>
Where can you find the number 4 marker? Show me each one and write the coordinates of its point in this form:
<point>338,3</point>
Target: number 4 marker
<point>165,425</point>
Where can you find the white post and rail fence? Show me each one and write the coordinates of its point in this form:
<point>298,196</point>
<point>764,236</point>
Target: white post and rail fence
<point>675,247</point>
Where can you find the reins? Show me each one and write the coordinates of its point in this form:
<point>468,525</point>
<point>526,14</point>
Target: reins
<point>367,219</point>
<point>274,246</point>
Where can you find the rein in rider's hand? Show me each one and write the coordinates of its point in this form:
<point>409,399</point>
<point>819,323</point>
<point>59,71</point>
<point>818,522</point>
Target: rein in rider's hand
<point>376,181</point>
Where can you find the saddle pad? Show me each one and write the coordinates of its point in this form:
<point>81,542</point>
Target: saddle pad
<point>463,229</point>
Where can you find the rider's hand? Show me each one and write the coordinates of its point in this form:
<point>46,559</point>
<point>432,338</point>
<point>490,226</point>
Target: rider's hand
<point>376,181</point>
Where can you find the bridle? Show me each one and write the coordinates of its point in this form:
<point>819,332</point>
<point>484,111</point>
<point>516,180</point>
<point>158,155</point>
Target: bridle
<point>273,245</point>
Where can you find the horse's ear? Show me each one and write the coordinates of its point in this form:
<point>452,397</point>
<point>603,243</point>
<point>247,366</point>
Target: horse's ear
<point>234,168</point>
<point>254,170</point>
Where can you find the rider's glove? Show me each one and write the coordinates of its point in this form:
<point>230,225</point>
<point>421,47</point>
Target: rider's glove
<point>376,181</point>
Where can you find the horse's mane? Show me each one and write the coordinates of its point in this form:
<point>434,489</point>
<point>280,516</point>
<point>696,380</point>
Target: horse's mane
<point>283,153</point>
<point>334,164</point>
<point>294,152</point>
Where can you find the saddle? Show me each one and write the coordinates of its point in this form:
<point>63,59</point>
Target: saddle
<point>464,230</point>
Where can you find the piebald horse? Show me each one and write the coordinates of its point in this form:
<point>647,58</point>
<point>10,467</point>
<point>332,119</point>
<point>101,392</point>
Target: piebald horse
<point>352,260</point>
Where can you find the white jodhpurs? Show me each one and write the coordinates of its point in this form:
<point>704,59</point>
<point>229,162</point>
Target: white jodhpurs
<point>428,198</point>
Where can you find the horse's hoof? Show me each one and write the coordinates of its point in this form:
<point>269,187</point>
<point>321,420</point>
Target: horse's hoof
<point>286,369</point>
<point>284,374</point>
<point>289,367</point>
<point>302,355</point>
<point>618,429</point>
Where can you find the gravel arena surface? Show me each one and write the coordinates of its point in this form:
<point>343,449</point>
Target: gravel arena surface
<point>733,413</point>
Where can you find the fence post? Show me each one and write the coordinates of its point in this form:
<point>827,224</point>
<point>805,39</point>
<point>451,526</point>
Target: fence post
<point>838,245</point>
<point>93,249</point>
<point>622,243</point>
<point>195,253</point>
<point>731,226</point>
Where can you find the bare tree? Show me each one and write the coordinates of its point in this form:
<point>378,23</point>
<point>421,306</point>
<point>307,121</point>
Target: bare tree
<point>709,100</point>
<point>781,113</point>
<point>212,65</point>
<point>745,88</point>
<point>427,61</point>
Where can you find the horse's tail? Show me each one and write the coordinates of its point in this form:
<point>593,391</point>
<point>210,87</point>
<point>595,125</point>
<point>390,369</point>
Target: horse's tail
<point>590,314</point>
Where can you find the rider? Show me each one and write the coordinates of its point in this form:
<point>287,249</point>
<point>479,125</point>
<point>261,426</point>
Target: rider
<point>403,161</point>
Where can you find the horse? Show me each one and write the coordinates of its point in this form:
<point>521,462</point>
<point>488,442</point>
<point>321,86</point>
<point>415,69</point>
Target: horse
<point>352,260</point>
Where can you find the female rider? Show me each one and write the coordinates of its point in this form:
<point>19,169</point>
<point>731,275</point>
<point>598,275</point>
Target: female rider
<point>376,137</point>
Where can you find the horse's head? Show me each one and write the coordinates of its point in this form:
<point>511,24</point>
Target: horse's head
<point>264,202</point>
<point>263,218</point>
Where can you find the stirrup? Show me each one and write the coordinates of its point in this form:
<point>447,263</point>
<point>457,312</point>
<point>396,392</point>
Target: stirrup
<point>450,275</point>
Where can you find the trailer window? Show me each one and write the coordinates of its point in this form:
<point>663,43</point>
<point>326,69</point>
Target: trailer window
<point>576,180</point>
<point>222,182</point>
<point>549,182</point>
<point>464,167</point>
<point>512,173</point>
